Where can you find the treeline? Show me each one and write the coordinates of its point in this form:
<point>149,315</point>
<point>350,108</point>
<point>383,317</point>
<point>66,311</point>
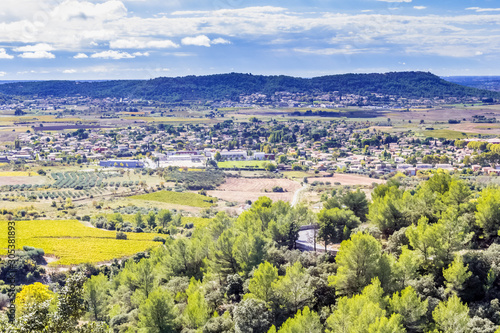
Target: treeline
<point>231,86</point>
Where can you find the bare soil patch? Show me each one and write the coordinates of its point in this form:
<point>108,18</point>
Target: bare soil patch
<point>242,189</point>
<point>348,179</point>
<point>39,180</point>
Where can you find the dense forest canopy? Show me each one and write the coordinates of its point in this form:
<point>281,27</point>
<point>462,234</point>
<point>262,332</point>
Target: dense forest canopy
<point>231,86</point>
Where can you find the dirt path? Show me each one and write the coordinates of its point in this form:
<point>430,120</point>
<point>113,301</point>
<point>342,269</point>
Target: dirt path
<point>296,196</point>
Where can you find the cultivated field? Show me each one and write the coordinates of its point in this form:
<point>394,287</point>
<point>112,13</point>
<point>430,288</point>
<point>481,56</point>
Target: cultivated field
<point>73,243</point>
<point>348,179</point>
<point>178,198</point>
<point>242,189</point>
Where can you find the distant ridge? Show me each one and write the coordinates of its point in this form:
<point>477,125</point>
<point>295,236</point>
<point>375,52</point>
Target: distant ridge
<point>231,86</point>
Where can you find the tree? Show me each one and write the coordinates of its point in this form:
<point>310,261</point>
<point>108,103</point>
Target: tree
<point>158,313</point>
<point>358,261</point>
<point>356,314</point>
<point>456,274</point>
<point>217,156</point>
<point>406,267</point>
<point>411,308</point>
<point>197,311</point>
<point>488,211</point>
<point>452,316</point>
<point>224,253</point>
<point>262,285</point>
<point>35,293</point>
<point>387,325</point>
<point>164,217</point>
<point>356,201</point>
<point>251,316</point>
<point>424,238</point>
<point>304,321</point>
<point>249,251</point>
<point>139,221</point>
<point>151,220</point>
<point>335,225</point>
<point>95,294</point>
<point>293,288</point>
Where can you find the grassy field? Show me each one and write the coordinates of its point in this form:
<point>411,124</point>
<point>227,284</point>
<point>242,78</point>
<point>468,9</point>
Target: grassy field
<point>16,173</point>
<point>445,133</point>
<point>178,198</point>
<point>297,175</point>
<point>73,243</point>
<point>242,164</point>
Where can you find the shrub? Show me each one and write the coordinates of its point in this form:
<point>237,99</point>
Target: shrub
<point>121,235</point>
<point>159,239</point>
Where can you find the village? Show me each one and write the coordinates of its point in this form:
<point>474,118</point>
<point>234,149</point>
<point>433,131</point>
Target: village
<point>321,146</point>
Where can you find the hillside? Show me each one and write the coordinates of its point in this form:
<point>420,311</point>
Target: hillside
<point>231,86</point>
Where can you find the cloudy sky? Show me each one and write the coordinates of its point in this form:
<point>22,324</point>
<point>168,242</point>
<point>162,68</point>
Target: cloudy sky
<point>142,39</point>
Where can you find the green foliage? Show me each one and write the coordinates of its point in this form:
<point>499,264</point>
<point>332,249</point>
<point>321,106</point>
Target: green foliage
<point>452,316</point>
<point>359,261</point>
<point>357,202</point>
<point>261,286</point>
<point>220,86</point>
<point>488,211</point>
<point>335,225</point>
<point>158,313</point>
<point>456,275</point>
<point>411,308</point>
<point>304,321</point>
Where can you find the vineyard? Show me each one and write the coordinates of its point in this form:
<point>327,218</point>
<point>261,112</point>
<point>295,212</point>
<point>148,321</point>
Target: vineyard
<point>73,243</point>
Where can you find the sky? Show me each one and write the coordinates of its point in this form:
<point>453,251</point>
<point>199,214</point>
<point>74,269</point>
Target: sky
<point>144,39</point>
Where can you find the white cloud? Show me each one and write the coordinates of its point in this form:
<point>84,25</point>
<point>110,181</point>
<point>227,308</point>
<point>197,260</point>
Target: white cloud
<point>112,55</point>
<point>335,51</point>
<point>3,73</point>
<point>81,56</point>
<point>141,44</point>
<point>5,55</point>
<point>419,7</point>
<point>69,71</point>
<point>37,55</point>
<point>140,54</point>
<point>220,41</point>
<point>40,47</point>
<point>480,10</point>
<point>200,40</point>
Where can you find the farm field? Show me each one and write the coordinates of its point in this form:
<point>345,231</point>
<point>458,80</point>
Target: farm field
<point>179,198</point>
<point>242,189</point>
<point>73,243</point>
<point>349,179</point>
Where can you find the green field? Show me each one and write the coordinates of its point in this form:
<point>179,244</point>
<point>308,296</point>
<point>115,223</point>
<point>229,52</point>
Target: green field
<point>242,164</point>
<point>297,175</point>
<point>447,134</point>
<point>73,243</point>
<point>178,198</point>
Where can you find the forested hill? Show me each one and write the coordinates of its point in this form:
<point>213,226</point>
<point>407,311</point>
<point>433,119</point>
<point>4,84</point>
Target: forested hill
<point>231,86</point>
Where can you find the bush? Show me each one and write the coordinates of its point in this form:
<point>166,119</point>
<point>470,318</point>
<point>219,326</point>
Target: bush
<point>159,239</point>
<point>121,235</point>
<point>278,189</point>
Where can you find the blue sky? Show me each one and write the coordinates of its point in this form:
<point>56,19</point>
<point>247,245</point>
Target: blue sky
<point>142,39</point>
